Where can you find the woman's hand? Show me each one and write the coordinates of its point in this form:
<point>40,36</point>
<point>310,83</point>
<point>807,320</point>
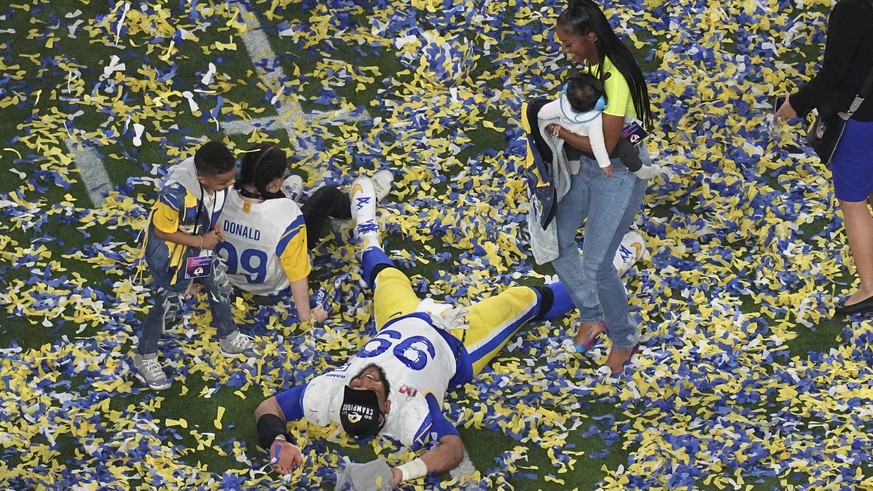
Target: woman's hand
<point>607,170</point>
<point>554,130</point>
<point>785,111</point>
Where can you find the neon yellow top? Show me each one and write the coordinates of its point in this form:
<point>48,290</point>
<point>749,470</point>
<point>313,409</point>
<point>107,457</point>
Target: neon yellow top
<point>618,95</point>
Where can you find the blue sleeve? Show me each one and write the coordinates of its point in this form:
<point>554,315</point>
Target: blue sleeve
<point>435,426</point>
<point>291,402</point>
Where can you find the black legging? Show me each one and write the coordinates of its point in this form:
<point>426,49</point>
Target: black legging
<point>326,202</point>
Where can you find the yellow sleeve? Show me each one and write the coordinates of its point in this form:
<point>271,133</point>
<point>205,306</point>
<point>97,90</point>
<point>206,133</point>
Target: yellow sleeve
<point>618,95</point>
<point>293,251</point>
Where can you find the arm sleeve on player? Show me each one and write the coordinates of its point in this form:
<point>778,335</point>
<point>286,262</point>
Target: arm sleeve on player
<point>435,424</point>
<point>291,402</point>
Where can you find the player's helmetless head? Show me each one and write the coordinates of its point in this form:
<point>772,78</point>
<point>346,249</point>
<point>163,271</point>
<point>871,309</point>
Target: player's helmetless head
<point>365,403</point>
<point>372,377</point>
<point>263,169</point>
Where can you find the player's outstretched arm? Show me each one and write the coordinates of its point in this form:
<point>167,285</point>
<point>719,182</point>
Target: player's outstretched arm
<point>300,294</point>
<point>284,454</point>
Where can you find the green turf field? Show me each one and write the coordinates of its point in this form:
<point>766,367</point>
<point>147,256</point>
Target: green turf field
<point>744,381</point>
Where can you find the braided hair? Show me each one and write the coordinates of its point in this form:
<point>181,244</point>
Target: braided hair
<point>584,16</point>
<point>261,165</point>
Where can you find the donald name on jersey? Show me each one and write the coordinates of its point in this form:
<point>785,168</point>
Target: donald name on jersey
<point>242,230</point>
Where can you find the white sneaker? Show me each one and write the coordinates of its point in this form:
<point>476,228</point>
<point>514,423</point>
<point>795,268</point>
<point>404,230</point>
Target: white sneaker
<point>363,198</point>
<point>631,249</point>
<point>149,370</point>
<point>237,343</point>
<point>293,187</point>
<point>382,182</point>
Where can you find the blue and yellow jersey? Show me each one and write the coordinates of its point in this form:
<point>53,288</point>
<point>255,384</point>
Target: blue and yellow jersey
<point>176,210</point>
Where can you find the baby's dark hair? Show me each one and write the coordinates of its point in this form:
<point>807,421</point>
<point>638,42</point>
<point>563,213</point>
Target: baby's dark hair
<point>261,165</point>
<point>213,158</point>
<point>583,90</point>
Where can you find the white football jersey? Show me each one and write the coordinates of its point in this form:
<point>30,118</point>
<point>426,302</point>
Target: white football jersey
<point>264,244</point>
<point>416,361</point>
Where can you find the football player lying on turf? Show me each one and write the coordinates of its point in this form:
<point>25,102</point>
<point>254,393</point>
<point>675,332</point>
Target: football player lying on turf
<point>396,383</point>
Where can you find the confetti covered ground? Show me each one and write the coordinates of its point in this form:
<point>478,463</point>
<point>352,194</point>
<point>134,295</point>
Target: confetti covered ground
<point>743,381</point>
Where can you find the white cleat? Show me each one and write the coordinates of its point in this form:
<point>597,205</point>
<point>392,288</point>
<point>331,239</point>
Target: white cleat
<point>363,198</point>
<point>631,249</point>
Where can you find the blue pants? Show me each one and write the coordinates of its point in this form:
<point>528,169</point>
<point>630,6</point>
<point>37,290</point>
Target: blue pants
<point>607,205</point>
<point>167,302</point>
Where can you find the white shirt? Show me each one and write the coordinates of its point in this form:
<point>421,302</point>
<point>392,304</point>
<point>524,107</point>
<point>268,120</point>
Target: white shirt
<point>588,124</point>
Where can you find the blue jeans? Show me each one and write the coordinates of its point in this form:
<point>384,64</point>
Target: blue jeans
<point>609,205</point>
<point>167,301</point>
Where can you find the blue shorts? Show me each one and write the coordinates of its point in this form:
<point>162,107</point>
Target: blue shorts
<point>852,164</point>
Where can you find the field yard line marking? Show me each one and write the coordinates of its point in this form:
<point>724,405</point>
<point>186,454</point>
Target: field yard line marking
<point>240,126</point>
<point>465,468</point>
<point>94,175</point>
<point>259,49</point>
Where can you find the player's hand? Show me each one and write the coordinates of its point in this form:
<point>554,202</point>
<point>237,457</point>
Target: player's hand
<point>607,170</point>
<point>285,456</point>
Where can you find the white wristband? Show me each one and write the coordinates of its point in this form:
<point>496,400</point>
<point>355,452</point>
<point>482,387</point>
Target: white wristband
<point>413,469</point>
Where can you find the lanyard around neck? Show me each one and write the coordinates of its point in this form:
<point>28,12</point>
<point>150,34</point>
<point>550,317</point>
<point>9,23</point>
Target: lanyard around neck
<point>200,205</point>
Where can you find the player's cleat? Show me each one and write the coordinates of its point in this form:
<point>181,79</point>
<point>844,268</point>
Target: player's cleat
<point>363,198</point>
<point>382,182</point>
<point>149,370</point>
<point>631,249</point>
<point>237,343</point>
<point>293,187</point>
